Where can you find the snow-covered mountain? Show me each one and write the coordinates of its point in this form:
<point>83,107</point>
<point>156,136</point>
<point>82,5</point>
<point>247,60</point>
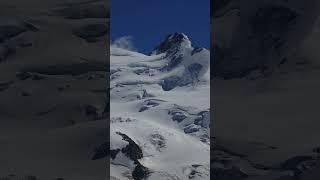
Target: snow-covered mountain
<point>160,124</point>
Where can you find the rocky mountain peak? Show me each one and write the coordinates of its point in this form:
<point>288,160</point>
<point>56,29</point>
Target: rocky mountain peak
<point>172,43</point>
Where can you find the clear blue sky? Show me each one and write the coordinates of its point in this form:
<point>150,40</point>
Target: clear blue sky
<point>149,21</point>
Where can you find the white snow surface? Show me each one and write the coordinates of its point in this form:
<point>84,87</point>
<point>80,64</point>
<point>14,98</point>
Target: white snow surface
<point>142,110</point>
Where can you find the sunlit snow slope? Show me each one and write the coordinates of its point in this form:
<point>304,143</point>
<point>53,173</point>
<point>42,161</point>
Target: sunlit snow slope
<point>160,112</point>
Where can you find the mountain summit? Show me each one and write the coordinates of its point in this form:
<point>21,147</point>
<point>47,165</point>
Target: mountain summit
<point>172,43</point>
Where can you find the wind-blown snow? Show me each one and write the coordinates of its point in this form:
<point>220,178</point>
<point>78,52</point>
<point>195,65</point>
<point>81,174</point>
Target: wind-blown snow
<point>170,125</point>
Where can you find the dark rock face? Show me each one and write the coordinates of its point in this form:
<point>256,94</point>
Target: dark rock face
<point>140,172</point>
<point>170,44</point>
<point>91,32</point>
<point>133,151</point>
<point>114,153</point>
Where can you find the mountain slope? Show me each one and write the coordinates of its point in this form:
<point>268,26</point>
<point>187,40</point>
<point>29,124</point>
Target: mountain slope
<point>160,112</point>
